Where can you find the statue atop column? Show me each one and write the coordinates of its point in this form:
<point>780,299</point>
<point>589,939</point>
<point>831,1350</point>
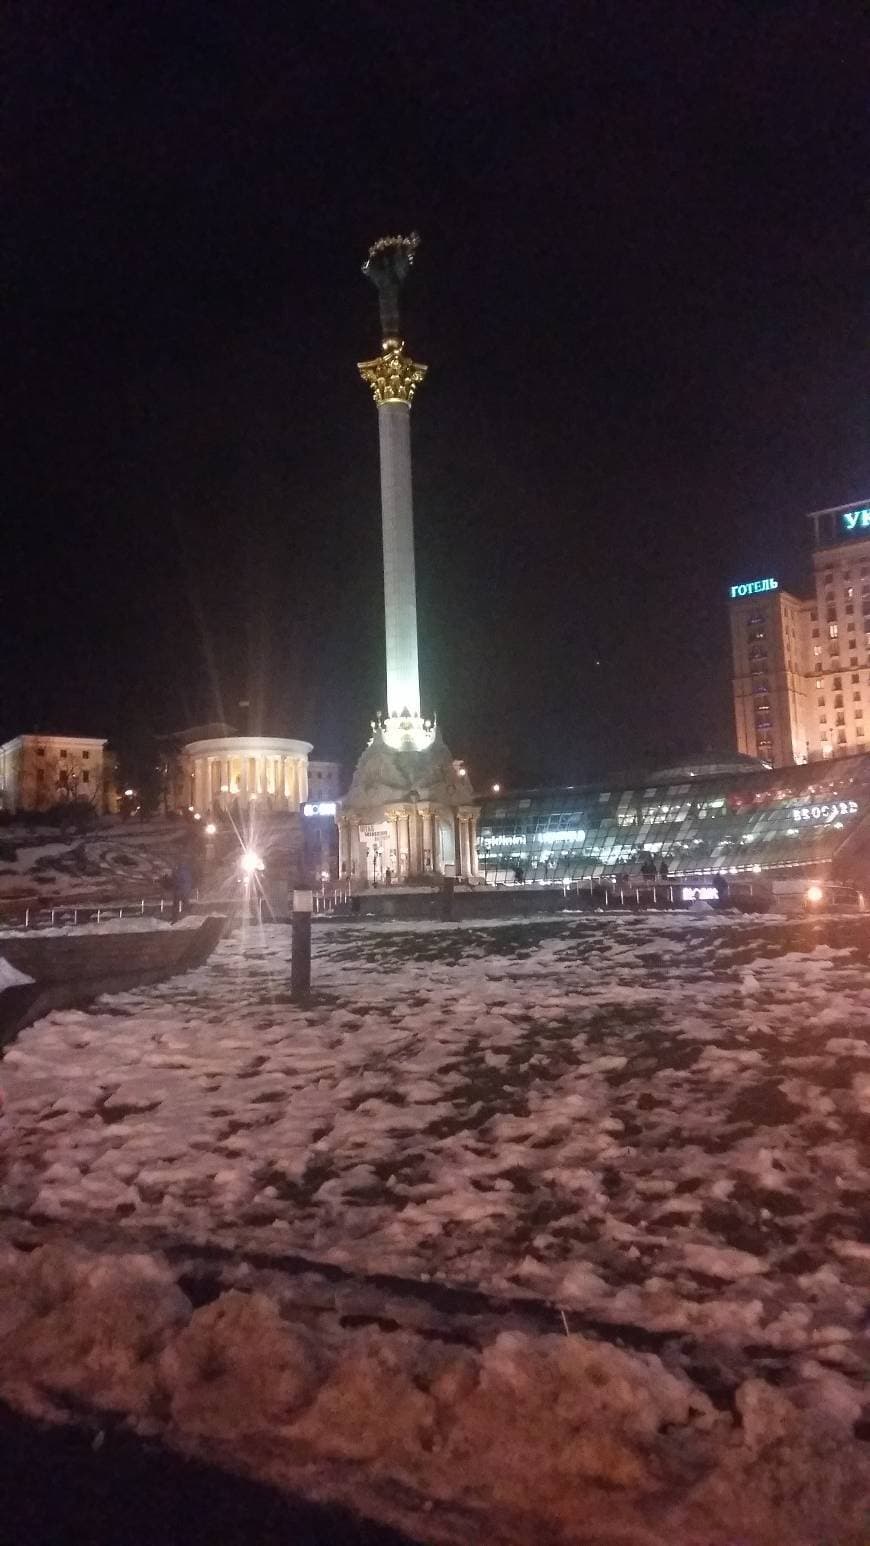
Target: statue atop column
<point>387,266</point>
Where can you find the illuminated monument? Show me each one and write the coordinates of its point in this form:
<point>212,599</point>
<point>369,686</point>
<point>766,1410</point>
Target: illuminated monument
<point>408,809</point>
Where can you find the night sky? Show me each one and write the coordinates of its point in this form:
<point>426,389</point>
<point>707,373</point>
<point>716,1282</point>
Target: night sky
<point>639,292</point>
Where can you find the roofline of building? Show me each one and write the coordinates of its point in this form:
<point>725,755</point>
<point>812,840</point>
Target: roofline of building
<point>54,735</point>
<point>851,504</point>
<point>640,780</point>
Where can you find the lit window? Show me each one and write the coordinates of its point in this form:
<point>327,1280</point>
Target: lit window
<point>833,631</point>
<point>819,682</point>
<point>817,648</point>
<point>850,591</point>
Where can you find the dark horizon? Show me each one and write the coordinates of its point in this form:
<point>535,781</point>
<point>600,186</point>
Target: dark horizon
<point>638,294</point>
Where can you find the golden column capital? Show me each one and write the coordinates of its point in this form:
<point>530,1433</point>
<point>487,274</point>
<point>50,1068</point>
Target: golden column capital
<point>393,378</point>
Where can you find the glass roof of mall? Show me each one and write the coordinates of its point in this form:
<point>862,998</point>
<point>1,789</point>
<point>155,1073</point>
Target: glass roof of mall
<point>736,823</point>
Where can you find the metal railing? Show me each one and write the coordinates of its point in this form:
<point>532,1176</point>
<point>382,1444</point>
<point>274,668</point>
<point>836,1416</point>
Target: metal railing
<point>328,901</point>
<point>73,914</point>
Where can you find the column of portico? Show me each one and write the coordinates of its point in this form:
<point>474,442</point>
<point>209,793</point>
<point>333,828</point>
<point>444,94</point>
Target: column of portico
<point>464,846</point>
<point>404,848</point>
<point>415,857</point>
<point>428,845</point>
<point>393,847</point>
<point>468,841</point>
<point>343,845</point>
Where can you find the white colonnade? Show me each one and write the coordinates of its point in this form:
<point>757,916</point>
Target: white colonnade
<point>273,770</point>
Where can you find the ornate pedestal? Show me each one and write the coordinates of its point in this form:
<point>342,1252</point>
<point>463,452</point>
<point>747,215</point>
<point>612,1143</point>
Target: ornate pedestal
<point>408,816</point>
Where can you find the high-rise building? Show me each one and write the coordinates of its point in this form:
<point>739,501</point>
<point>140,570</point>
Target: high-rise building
<point>801,667</point>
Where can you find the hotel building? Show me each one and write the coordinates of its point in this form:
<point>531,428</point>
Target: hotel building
<point>802,666</point>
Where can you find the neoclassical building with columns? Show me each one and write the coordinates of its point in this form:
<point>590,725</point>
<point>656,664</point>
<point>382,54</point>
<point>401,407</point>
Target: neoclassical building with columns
<point>227,770</point>
<point>408,811</point>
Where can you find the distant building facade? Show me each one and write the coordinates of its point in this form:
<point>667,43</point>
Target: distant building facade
<point>700,821</point>
<point>40,771</point>
<point>801,667</point>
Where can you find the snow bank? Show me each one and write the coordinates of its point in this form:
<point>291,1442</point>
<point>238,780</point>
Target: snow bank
<point>10,977</point>
<point>518,1440</point>
<point>106,925</point>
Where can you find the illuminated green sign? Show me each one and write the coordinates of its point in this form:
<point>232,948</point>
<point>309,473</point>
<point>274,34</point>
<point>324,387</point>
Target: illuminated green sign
<point>856,520</point>
<point>755,587</point>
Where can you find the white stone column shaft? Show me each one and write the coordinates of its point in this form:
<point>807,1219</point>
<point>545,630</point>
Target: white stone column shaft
<point>400,596</point>
<point>428,844</point>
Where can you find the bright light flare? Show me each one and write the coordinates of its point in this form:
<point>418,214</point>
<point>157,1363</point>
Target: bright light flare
<point>251,862</point>
<point>815,894</point>
<point>211,829</point>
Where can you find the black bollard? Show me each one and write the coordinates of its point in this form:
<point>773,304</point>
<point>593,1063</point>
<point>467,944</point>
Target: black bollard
<point>300,946</point>
<point>448,885</point>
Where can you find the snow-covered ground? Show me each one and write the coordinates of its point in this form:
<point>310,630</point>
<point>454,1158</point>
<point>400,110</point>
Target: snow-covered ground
<point>656,1124</point>
<point>115,859</point>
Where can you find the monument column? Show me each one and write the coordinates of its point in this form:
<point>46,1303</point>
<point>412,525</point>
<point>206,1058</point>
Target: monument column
<point>393,379</point>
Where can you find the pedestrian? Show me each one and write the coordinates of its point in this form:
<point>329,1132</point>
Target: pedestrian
<point>388,876</point>
<point>663,870</point>
<point>520,875</point>
<point>182,888</point>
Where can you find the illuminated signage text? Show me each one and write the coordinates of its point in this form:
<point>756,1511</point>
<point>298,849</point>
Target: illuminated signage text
<point>825,812</point>
<point>755,587</point>
<point>319,808</point>
<point>856,520</point>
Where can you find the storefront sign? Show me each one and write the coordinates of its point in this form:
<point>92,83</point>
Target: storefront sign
<point>319,808</point>
<point>830,812</point>
<point>856,520</point>
<point>755,587</point>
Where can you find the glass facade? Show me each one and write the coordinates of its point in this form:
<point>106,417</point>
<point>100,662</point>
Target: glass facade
<point>728,823</point>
